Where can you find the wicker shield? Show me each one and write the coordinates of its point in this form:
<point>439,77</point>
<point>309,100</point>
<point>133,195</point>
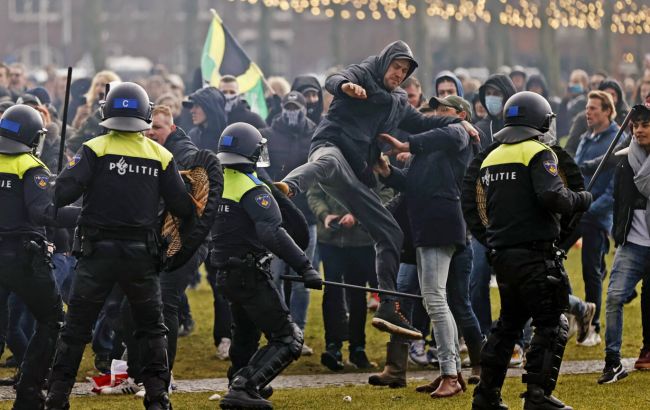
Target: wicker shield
<point>182,238</point>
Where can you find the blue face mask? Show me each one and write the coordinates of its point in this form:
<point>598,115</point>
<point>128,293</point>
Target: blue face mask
<point>576,89</point>
<point>493,104</point>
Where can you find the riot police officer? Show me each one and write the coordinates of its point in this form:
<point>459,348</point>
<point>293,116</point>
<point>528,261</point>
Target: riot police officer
<point>525,197</point>
<point>248,227</point>
<point>122,176</point>
<point>25,254</point>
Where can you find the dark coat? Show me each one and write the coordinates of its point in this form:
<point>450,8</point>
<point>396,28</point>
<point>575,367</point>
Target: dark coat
<point>206,135</point>
<point>315,112</point>
<point>241,112</point>
<point>490,125</point>
<point>181,147</point>
<point>288,149</point>
<point>627,198</point>
<point>432,186</point>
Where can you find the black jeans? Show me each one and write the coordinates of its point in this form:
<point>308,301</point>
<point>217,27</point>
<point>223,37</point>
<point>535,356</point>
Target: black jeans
<point>353,265</point>
<point>28,274</point>
<point>135,270</point>
<point>222,314</point>
<point>526,291</point>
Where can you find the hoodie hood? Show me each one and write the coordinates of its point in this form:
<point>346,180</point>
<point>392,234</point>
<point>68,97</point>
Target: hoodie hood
<point>213,103</point>
<point>378,65</point>
<point>501,82</point>
<point>538,79</point>
<point>621,107</point>
<point>303,82</point>
<point>448,75</point>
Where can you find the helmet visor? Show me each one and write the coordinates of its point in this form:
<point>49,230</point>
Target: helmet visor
<point>550,137</point>
<point>264,160</point>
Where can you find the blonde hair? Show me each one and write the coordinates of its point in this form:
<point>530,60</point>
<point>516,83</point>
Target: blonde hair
<point>164,110</point>
<point>606,102</point>
<point>280,85</point>
<point>105,76</point>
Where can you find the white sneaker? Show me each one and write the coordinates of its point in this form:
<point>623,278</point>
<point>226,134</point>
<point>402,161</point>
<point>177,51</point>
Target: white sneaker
<point>517,358</point>
<point>417,354</point>
<point>493,282</point>
<point>573,325</point>
<point>462,346</point>
<point>128,386</point>
<point>223,350</point>
<point>306,350</point>
<point>592,339</point>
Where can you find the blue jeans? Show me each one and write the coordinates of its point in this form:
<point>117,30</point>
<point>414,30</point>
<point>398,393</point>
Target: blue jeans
<point>299,293</point>
<point>433,270</point>
<point>458,298</point>
<point>479,287</point>
<point>631,265</point>
<point>595,246</point>
<point>63,273</point>
<point>21,327</point>
<point>408,282</point>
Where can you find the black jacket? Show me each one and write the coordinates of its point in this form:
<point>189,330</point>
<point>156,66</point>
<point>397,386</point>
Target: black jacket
<point>241,112</point>
<point>353,125</point>
<point>315,111</point>
<point>432,186</point>
<point>490,125</point>
<point>181,147</point>
<point>288,149</point>
<point>206,135</point>
<point>627,198</point>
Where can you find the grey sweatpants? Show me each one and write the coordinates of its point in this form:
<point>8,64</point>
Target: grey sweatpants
<point>328,167</point>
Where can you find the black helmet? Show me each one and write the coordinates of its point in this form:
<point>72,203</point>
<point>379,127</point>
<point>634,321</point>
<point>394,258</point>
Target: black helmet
<point>21,129</point>
<point>126,108</point>
<point>526,115</point>
<point>241,143</point>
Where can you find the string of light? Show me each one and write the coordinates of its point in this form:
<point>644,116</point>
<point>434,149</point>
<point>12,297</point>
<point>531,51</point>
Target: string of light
<point>628,16</point>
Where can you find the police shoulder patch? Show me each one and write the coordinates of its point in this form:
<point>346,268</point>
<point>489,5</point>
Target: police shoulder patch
<point>41,180</point>
<point>263,200</point>
<point>74,161</point>
<point>551,167</point>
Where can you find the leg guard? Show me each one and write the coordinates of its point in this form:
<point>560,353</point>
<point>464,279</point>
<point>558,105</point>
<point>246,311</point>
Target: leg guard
<point>155,373</point>
<point>66,364</point>
<point>38,357</point>
<point>270,360</point>
<point>496,354</point>
<point>547,349</point>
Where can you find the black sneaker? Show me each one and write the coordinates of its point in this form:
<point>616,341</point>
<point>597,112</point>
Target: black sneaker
<point>103,363</point>
<point>359,359</point>
<point>244,399</point>
<point>332,358</point>
<point>389,318</point>
<point>536,399</point>
<point>612,373</point>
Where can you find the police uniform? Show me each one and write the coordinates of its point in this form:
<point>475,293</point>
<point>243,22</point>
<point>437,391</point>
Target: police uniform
<point>247,227</point>
<point>524,199</point>
<point>25,255</point>
<point>122,176</point>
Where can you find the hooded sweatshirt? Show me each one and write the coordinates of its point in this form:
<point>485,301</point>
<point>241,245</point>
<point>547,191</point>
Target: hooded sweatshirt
<point>490,125</point>
<point>448,75</point>
<point>302,82</point>
<point>621,106</point>
<point>353,124</point>
<point>206,135</point>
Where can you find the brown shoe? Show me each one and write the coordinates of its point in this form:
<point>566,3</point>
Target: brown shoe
<point>429,387</point>
<point>643,362</point>
<point>449,386</point>
<point>394,373</point>
<point>461,381</point>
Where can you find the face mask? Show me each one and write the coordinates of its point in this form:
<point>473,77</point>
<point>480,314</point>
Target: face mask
<point>550,137</point>
<point>293,117</point>
<point>576,89</point>
<point>231,101</point>
<point>493,104</point>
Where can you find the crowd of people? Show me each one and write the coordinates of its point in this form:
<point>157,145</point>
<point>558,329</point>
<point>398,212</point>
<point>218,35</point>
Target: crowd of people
<point>380,190</point>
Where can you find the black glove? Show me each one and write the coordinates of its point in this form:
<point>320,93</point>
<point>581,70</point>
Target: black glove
<point>312,279</point>
<point>589,167</point>
<point>584,201</point>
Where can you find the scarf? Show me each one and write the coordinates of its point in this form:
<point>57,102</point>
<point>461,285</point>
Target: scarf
<point>640,163</point>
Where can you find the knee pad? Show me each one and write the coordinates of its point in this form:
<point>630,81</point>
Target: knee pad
<point>291,337</point>
<point>552,342</point>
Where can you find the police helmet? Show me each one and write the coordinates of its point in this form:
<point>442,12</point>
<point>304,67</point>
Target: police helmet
<point>126,108</point>
<point>21,129</point>
<point>241,143</point>
<point>526,115</point>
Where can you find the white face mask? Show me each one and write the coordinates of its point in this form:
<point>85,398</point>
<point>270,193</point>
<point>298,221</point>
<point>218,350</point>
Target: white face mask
<point>293,117</point>
<point>550,137</point>
<point>493,104</point>
<point>231,101</point>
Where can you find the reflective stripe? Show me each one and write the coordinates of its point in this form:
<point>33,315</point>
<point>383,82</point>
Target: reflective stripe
<point>130,144</point>
<point>520,153</point>
<point>236,184</point>
<point>19,164</point>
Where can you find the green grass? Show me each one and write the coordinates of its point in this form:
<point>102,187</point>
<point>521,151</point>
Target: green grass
<point>579,391</point>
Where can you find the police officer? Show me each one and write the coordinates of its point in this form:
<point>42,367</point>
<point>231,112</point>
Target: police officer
<point>247,228</point>
<point>25,255</point>
<point>122,176</point>
<point>524,199</point>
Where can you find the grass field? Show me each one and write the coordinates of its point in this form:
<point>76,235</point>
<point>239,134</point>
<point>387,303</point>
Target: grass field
<point>196,359</point>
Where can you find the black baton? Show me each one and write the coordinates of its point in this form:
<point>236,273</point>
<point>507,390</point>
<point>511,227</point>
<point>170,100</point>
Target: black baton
<point>347,286</point>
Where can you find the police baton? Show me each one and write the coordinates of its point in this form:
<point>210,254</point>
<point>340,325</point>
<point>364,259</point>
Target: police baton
<point>355,287</point>
<point>64,127</point>
<point>603,162</point>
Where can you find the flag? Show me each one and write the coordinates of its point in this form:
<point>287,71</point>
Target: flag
<point>222,55</point>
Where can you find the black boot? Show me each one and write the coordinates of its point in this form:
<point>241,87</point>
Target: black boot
<point>487,399</point>
<point>29,399</point>
<point>243,395</point>
<point>159,402</point>
<point>57,395</point>
<point>266,392</point>
<point>536,399</point>
<point>389,318</point>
